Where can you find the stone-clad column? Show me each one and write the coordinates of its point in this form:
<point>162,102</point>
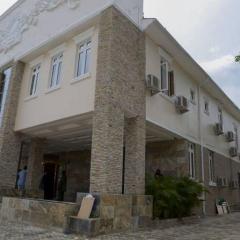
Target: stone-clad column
<point>10,142</point>
<point>35,167</point>
<point>135,156</point>
<point>120,94</point>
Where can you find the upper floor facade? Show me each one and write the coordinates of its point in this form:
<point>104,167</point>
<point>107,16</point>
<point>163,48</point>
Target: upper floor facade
<point>58,42</point>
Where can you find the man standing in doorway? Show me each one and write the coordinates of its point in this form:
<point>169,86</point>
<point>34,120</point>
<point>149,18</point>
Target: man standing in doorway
<point>62,186</point>
<point>22,176</point>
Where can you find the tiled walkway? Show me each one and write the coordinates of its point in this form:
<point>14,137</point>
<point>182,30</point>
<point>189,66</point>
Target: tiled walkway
<point>220,228</point>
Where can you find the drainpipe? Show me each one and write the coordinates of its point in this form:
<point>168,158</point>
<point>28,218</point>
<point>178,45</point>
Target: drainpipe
<point>201,145</point>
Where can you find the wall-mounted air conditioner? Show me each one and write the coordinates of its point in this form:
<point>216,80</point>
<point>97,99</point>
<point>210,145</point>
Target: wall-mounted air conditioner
<point>153,84</point>
<point>218,129</point>
<point>230,136</point>
<point>182,104</point>
<point>233,152</point>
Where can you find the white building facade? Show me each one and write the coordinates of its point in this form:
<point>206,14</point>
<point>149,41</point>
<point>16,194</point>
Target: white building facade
<point>108,109</point>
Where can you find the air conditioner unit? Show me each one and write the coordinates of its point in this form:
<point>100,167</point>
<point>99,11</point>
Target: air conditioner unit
<point>152,83</point>
<point>233,152</point>
<point>230,136</point>
<point>182,104</point>
<point>219,129</point>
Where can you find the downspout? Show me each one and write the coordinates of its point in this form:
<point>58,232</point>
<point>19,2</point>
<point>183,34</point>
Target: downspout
<point>201,146</point>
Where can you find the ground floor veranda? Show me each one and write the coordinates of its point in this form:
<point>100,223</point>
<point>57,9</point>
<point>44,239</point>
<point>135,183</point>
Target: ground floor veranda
<point>113,166</point>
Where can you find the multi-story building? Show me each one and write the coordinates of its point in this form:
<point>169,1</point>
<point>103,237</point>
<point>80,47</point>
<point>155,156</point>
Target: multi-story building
<point>93,88</point>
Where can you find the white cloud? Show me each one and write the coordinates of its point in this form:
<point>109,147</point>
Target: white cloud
<point>5,4</point>
<point>214,49</point>
<point>219,64</point>
<point>233,92</point>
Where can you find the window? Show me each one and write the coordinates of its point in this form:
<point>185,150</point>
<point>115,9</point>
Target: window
<point>4,84</point>
<point>56,70</point>
<point>211,167</point>
<point>236,136</point>
<point>34,80</point>
<point>164,75</point>
<point>206,107</point>
<point>191,159</point>
<point>192,96</point>
<point>220,116</point>
<point>171,90</point>
<point>83,58</point>
<point>166,78</point>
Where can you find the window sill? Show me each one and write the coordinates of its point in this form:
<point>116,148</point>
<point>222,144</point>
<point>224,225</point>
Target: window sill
<point>212,184</point>
<point>53,89</point>
<point>207,113</point>
<point>30,98</point>
<point>168,98</point>
<point>81,78</point>
<point>193,102</point>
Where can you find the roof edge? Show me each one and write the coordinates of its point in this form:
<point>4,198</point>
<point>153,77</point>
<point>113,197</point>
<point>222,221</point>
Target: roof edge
<point>206,77</point>
<point>11,8</point>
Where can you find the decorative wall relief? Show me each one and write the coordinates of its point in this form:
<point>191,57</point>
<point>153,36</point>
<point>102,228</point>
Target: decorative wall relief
<point>12,35</point>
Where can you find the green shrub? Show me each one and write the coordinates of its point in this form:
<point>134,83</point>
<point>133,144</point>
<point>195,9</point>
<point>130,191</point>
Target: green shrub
<point>173,197</point>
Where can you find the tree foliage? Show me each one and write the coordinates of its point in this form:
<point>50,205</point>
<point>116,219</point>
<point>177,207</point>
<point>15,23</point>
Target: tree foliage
<point>237,58</point>
<point>173,197</point>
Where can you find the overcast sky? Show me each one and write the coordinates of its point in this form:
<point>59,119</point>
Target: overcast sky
<point>208,29</point>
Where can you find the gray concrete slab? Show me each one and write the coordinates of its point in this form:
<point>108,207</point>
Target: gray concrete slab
<point>217,228</point>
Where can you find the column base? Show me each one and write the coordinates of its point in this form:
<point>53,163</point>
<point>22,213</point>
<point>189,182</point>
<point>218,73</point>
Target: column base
<point>13,192</point>
<point>113,212</point>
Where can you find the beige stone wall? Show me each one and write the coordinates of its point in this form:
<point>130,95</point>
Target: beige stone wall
<point>119,97</point>
<point>224,167</point>
<point>40,213</point>
<point>35,164</point>
<point>78,173</point>
<point>10,143</point>
<point>168,156</point>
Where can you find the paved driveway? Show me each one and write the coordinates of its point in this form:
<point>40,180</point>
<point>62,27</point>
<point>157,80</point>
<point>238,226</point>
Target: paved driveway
<point>219,228</point>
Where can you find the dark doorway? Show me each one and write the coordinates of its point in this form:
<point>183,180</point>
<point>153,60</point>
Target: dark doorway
<point>51,177</point>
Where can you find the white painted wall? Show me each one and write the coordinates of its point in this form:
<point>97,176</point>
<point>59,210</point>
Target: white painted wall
<point>34,22</point>
<point>71,99</point>
<point>161,109</point>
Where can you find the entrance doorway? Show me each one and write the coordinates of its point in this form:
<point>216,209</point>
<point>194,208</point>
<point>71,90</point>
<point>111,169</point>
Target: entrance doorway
<point>51,171</point>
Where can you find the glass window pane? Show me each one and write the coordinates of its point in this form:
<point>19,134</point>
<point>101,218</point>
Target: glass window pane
<point>59,73</point>
<point>81,64</point>
<point>36,82</point>
<point>53,76</point>
<point>81,48</point>
<point>164,76</point>
<point>32,84</point>
<point>87,62</point>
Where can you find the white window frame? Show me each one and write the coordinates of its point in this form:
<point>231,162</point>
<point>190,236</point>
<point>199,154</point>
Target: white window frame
<point>192,160</point>
<point>8,73</point>
<point>192,96</point>
<point>236,136</point>
<point>220,115</point>
<point>165,63</point>
<point>211,168</point>
<point>206,110</point>
<point>2,91</point>
<point>83,48</point>
<point>56,76</point>
<point>33,88</point>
